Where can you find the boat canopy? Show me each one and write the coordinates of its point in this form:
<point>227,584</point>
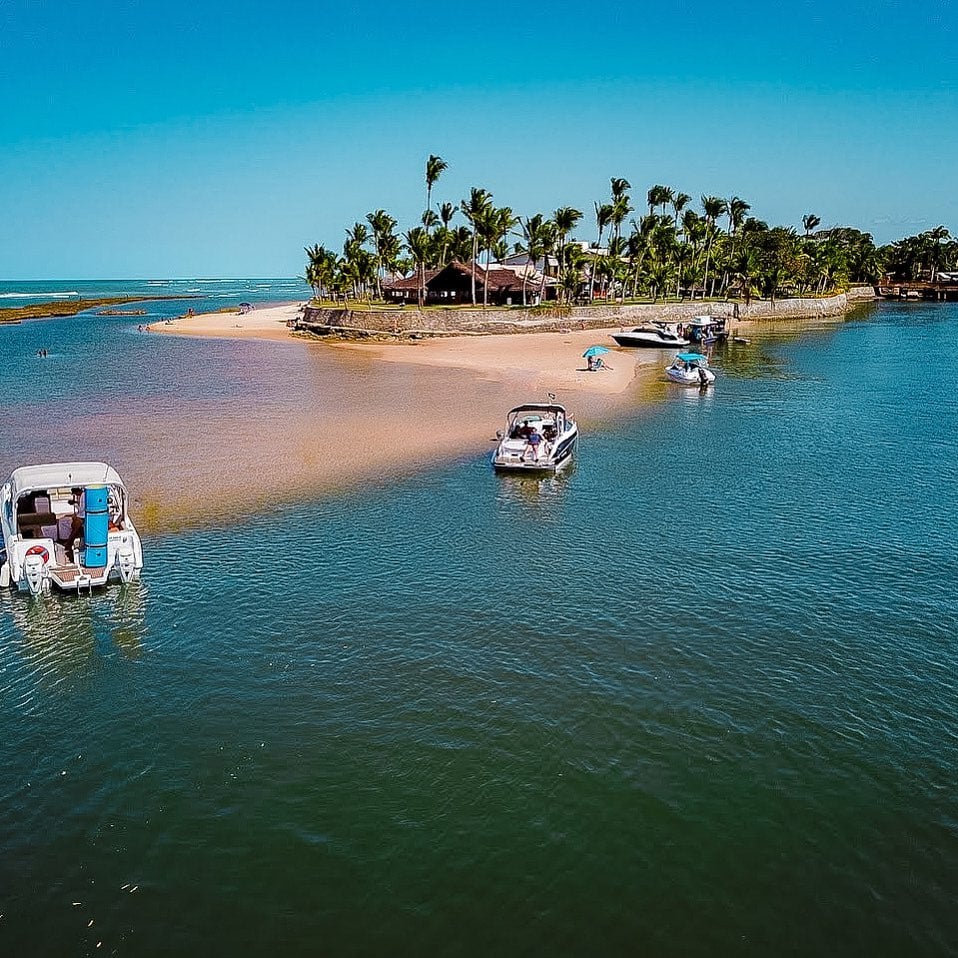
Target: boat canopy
<point>61,475</point>
<point>690,357</point>
<point>704,321</point>
<point>537,407</point>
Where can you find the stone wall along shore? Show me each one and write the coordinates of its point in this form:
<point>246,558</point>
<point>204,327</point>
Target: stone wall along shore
<point>409,321</point>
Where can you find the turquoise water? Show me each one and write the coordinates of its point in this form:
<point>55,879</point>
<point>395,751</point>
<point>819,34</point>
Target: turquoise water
<point>696,697</point>
<point>201,293</point>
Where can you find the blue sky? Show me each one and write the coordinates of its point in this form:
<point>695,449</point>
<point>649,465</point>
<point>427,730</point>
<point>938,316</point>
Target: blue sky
<point>154,139</point>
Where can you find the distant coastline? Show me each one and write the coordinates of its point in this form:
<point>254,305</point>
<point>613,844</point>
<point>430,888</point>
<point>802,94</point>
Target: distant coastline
<point>64,308</point>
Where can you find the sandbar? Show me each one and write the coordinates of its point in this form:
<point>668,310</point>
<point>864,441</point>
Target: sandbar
<point>541,362</point>
<point>261,424</point>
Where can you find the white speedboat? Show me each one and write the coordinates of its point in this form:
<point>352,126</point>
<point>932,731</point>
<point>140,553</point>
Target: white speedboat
<point>690,369</point>
<point>539,437</point>
<point>66,525</point>
<point>654,335</point>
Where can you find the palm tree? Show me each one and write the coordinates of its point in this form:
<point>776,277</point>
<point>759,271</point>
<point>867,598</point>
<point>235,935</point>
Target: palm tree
<point>935,237</point>
<point>474,209</point>
<point>603,216</point>
<point>493,226</point>
<point>321,269</point>
<point>679,202</point>
<point>533,245</point>
<point>565,219</point>
<point>658,196</point>
<point>713,207</point>
<point>382,226</point>
<point>434,169</point>
<point>446,212</point>
<point>810,221</point>
<point>417,242</point>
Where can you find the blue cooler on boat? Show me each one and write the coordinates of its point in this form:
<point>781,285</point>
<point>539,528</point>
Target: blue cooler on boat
<point>96,527</point>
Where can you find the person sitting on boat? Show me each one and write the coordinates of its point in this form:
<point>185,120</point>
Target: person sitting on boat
<point>69,532</point>
<point>533,440</point>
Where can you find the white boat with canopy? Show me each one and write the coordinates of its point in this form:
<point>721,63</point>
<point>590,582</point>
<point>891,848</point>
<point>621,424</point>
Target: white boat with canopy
<point>66,525</point>
<point>539,437</point>
<point>690,369</point>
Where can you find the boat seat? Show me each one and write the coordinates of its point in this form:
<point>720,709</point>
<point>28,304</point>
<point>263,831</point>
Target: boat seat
<point>30,524</point>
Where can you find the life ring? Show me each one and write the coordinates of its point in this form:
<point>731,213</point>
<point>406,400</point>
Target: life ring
<point>38,551</point>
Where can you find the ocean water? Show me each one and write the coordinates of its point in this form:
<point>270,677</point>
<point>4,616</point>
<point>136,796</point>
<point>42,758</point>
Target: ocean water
<point>179,294</point>
<point>697,696</point>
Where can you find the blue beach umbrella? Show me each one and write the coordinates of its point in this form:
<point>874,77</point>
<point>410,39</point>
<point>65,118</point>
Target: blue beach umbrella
<point>594,351</point>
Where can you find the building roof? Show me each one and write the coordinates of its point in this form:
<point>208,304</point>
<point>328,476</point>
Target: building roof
<point>497,278</point>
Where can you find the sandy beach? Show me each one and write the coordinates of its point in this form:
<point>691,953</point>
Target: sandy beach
<point>540,362</point>
<point>293,416</point>
<point>268,322</point>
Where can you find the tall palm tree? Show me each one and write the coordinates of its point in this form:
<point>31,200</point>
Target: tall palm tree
<point>446,212</point>
<point>736,209</point>
<point>935,238</point>
<point>603,216</point>
<point>658,196</point>
<point>532,245</point>
<point>679,202</point>
<point>713,207</point>
<point>565,219</point>
<point>321,269</point>
<point>434,169</point>
<point>474,209</point>
<point>417,242</point>
<point>382,226</point>
<point>619,187</point>
<point>810,221</point>
<point>493,226</point>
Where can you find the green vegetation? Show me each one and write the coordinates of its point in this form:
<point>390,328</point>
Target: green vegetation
<point>71,307</point>
<point>674,251</point>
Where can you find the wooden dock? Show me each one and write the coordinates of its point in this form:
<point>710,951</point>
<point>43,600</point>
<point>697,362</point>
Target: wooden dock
<point>939,290</point>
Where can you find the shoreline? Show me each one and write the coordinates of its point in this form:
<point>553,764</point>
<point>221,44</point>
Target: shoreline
<point>328,415</point>
<point>542,361</point>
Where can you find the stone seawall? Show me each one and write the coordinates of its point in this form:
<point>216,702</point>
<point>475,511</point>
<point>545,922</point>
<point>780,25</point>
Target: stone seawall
<point>406,321</point>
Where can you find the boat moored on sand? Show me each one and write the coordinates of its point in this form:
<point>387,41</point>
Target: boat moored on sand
<point>652,335</point>
<point>705,330</point>
<point>690,369</point>
<point>539,437</point>
<point>66,525</point>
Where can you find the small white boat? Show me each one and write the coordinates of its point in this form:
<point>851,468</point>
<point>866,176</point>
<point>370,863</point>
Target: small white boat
<point>66,525</point>
<point>654,335</point>
<point>539,437</point>
<point>690,369</point>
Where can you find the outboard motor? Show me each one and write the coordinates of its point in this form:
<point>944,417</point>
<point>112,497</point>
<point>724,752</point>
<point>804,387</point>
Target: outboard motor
<point>703,379</point>
<point>126,562</point>
<point>33,570</point>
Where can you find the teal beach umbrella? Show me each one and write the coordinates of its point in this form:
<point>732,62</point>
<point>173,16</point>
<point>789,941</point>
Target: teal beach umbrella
<point>594,351</point>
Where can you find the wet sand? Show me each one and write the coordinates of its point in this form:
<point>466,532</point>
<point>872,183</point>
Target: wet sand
<point>295,417</point>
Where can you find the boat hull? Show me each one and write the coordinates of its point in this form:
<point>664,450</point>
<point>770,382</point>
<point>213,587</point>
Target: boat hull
<point>558,459</point>
<point>683,378</point>
<point>647,341</point>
